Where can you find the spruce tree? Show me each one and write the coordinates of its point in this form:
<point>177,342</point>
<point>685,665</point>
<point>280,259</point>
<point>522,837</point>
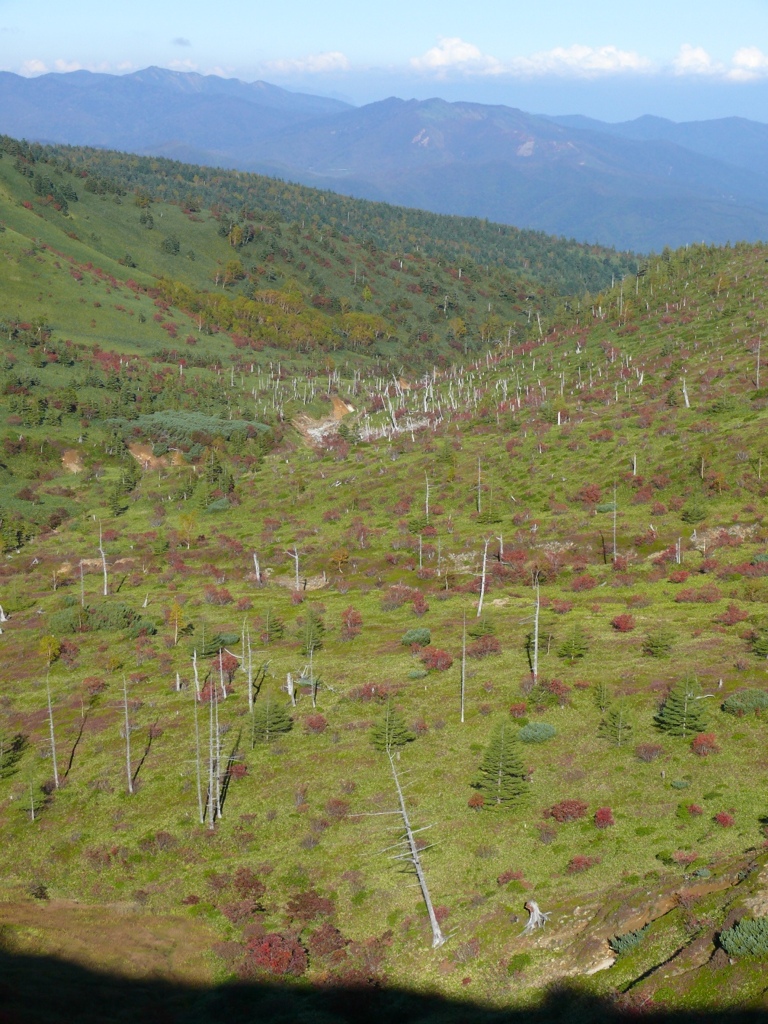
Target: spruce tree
<point>270,719</point>
<point>502,778</point>
<point>391,731</point>
<point>575,646</point>
<point>616,726</point>
<point>683,713</point>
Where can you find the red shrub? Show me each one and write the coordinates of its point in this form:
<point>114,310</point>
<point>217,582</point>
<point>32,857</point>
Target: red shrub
<point>623,623</point>
<point>589,494</point>
<point>604,817</point>
<point>648,752</point>
<point>695,810</point>
<point>420,727</point>
<point>518,710</point>
<point>326,940</point>
<point>248,885</point>
<point>434,658</point>
<point>476,802</point>
<point>306,906</point>
<point>337,808</point>
<point>278,954</point>
<point>566,810</point>
<point>218,596</point>
<point>684,857</point>
<point>483,646</point>
<point>226,665</point>
<point>509,876</point>
<point>316,724</point>
<point>351,623</point>
<point>679,576</point>
<point>724,819</point>
<point>371,692</point>
<point>396,596</point>
<point>581,863</point>
<point>705,744</point>
<point>561,607</point>
<point>708,594</point>
<point>420,605</point>
<point>582,583</point>
<point>732,615</point>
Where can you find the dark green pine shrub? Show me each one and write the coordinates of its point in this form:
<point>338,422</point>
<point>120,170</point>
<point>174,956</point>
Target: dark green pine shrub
<point>420,636</point>
<point>683,712</point>
<point>502,779</point>
<point>623,944</point>
<point>745,702</point>
<point>537,732</point>
<point>746,938</point>
<point>269,720</point>
<point>391,731</point>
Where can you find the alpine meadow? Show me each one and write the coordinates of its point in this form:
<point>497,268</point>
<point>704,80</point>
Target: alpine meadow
<point>383,609</point>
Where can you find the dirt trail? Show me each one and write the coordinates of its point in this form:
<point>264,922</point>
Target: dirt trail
<point>121,938</point>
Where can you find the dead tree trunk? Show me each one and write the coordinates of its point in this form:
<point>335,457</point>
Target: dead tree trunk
<point>127,737</point>
<point>53,738</point>
<point>413,856</point>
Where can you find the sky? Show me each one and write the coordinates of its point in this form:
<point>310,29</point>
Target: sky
<point>674,58</point>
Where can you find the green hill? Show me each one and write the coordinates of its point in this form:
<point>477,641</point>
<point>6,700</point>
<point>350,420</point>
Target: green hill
<point>185,526</point>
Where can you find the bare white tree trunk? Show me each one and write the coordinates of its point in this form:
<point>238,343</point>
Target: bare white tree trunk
<point>537,917</point>
<point>53,737</point>
<point>218,751</point>
<point>413,856</point>
<point>256,567</point>
<point>200,805</point>
<point>295,556</point>
<point>482,578</point>
<point>463,664</point>
<point>536,610</point>
<point>127,736</point>
<point>211,814</point>
<point>197,678</point>
<point>290,688</point>
<point>103,561</point>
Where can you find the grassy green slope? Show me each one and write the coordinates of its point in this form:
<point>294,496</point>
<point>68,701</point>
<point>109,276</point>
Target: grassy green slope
<point>180,544</point>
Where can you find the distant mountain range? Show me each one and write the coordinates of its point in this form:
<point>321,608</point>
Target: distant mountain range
<point>637,185</point>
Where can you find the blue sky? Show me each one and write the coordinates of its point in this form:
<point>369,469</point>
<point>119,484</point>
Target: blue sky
<point>675,58</point>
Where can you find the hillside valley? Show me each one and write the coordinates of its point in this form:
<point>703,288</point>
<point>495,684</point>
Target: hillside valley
<point>320,529</point>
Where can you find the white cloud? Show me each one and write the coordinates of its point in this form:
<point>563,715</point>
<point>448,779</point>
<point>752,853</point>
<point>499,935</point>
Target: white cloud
<point>313,64</point>
<point>67,65</point>
<point>454,54</point>
<point>581,62</point>
<point>694,60</point>
<point>748,64</point>
<point>32,67</point>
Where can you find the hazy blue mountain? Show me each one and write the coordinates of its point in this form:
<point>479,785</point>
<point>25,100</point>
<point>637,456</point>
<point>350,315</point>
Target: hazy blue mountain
<point>640,184</point>
<point>731,140</point>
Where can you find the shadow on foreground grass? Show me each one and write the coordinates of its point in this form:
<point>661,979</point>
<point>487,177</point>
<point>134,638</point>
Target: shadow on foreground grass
<point>43,990</point>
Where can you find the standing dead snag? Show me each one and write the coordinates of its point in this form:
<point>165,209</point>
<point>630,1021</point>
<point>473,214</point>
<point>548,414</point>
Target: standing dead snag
<point>412,855</point>
<point>537,917</point>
